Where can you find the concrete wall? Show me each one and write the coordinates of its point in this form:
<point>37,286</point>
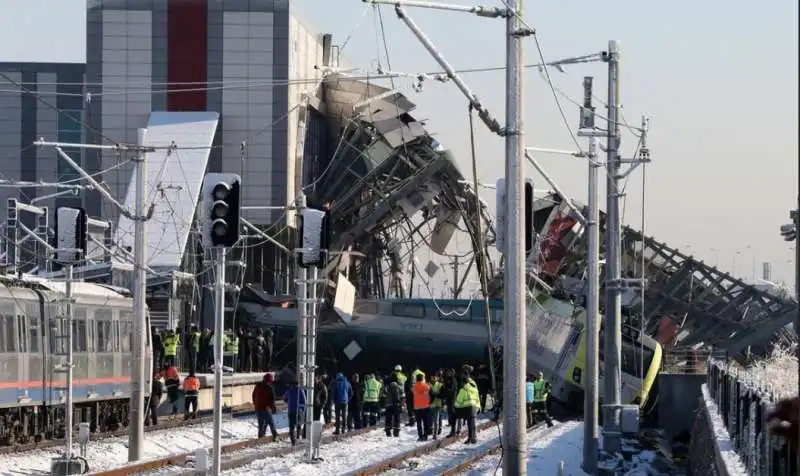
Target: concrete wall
<point>678,400</point>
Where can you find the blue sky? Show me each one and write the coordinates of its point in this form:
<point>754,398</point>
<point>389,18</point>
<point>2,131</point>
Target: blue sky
<point>719,80</point>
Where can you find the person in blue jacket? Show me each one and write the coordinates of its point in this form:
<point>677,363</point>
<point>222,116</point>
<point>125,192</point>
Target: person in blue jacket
<point>295,398</point>
<point>529,391</point>
<point>341,393</point>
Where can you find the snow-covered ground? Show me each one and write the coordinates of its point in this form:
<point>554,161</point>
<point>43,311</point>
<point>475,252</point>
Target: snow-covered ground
<point>546,448</point>
<point>733,463</point>
<point>345,456</point>
<point>112,453</point>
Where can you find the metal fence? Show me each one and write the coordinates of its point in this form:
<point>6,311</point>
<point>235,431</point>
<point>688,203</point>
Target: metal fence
<point>677,360</point>
<point>744,408</point>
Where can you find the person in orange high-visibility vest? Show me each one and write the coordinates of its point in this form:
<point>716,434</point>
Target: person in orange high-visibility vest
<point>191,388</point>
<point>422,406</point>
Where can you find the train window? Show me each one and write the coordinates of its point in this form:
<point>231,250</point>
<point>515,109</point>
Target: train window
<point>22,333</point>
<point>34,337</point>
<point>115,332</point>
<point>9,334</point>
<point>126,336</point>
<point>79,330</point>
<point>409,310</point>
<point>103,336</point>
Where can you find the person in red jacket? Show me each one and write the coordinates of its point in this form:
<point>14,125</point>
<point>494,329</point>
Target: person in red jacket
<point>264,405</point>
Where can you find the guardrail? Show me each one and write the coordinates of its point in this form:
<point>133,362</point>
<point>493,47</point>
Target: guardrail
<point>744,406</point>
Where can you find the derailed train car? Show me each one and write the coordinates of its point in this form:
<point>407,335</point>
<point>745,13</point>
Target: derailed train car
<point>33,345</point>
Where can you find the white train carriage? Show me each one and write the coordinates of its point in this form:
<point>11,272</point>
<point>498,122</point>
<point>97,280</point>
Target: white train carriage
<point>33,346</point>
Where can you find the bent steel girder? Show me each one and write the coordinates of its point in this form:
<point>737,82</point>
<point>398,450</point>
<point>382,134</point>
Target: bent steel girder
<point>713,307</point>
<point>388,179</point>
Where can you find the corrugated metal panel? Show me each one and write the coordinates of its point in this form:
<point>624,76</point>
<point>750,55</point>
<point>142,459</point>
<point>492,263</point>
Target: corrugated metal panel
<point>179,175</point>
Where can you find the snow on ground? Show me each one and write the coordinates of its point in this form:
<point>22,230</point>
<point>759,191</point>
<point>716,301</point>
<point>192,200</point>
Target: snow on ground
<point>546,448</point>
<point>112,453</point>
<point>776,373</point>
<point>342,457</point>
<point>733,463</point>
<point>436,462</point>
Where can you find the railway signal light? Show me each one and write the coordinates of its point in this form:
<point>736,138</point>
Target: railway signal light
<point>71,234</point>
<point>314,237</point>
<point>221,210</point>
<point>500,220</point>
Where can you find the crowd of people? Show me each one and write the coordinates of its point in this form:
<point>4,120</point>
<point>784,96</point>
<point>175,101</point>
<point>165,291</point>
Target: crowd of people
<point>246,350</point>
<point>354,403</point>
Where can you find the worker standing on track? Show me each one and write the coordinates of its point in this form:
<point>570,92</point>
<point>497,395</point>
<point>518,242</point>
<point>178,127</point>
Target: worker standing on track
<point>436,405</point>
<point>191,388</point>
<point>407,387</point>
<point>541,390</point>
<point>529,393</point>
<point>372,395</point>
<point>422,406</point>
<point>468,402</point>
<point>295,398</point>
<point>264,405</point>
<point>172,381</point>
<point>448,393</point>
<point>355,408</point>
<point>156,392</point>
<point>341,393</point>
<point>395,396</point>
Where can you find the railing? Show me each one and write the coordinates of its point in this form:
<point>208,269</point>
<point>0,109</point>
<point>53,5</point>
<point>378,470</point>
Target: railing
<point>744,406</point>
<point>688,361</point>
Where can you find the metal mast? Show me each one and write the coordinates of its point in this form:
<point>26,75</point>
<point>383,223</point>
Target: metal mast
<point>136,435</point>
<point>514,340</point>
<point>592,365</point>
<point>613,298</point>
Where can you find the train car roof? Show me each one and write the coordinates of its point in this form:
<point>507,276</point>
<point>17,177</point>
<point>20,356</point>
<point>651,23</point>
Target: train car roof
<point>78,287</point>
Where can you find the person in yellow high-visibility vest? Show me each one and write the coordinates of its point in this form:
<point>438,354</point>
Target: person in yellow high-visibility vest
<point>372,394</point>
<point>467,404</point>
<point>231,345</point>
<point>170,343</point>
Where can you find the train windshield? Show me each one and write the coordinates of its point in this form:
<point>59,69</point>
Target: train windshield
<point>634,355</point>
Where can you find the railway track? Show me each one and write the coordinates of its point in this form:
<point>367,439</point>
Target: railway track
<point>238,455</point>
<point>204,416</point>
<point>425,449</point>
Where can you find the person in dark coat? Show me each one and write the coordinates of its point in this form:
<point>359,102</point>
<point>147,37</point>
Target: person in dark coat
<point>257,345</point>
<point>156,392</point>
<point>484,380</point>
<point>449,390</point>
<point>395,396</point>
<point>320,397</point>
<point>341,394</point>
<point>295,398</point>
<point>356,406</point>
<point>264,405</point>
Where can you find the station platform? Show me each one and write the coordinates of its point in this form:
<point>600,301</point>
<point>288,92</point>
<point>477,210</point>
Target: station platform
<point>237,390</point>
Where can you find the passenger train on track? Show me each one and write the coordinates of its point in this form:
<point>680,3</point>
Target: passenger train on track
<point>33,348</point>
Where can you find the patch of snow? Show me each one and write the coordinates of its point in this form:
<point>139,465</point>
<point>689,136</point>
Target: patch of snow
<point>722,438</point>
<point>112,453</point>
<point>447,457</point>
<point>344,456</point>
<point>546,450</point>
<point>776,374</point>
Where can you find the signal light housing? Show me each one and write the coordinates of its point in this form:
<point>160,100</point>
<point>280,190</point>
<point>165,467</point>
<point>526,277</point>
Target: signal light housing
<point>71,233</point>
<point>220,212</point>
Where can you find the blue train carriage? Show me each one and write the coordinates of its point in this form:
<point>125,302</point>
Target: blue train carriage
<point>33,351</point>
<point>557,343</point>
